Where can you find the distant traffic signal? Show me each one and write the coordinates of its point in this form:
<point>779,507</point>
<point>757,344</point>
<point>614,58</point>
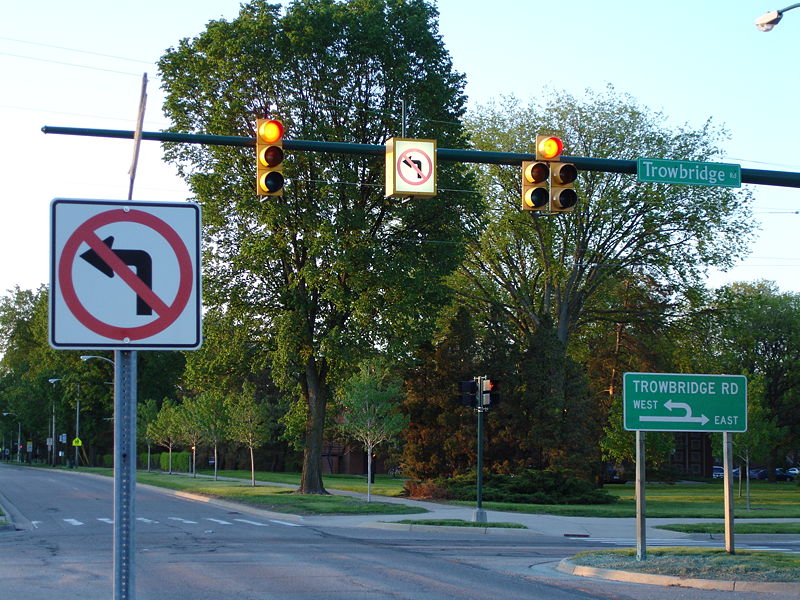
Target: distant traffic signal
<point>490,394</point>
<point>468,393</point>
<point>269,157</point>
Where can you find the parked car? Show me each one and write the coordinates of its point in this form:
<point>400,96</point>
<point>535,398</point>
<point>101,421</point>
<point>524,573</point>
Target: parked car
<point>783,475</point>
<point>718,472</point>
<point>793,471</point>
<point>758,473</point>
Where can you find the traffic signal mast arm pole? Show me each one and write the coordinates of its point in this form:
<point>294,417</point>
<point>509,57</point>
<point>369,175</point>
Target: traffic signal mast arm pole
<point>605,165</point>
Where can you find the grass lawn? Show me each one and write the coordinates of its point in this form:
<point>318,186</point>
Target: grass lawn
<point>279,499</point>
<point>699,563</point>
<point>687,500</point>
<point>738,527</point>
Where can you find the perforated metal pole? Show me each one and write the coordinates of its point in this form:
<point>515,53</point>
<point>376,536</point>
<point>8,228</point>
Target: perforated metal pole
<point>124,474</point>
<point>641,511</point>
<point>727,459</point>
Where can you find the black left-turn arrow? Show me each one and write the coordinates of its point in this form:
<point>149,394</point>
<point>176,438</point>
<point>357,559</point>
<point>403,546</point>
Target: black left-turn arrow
<point>133,258</point>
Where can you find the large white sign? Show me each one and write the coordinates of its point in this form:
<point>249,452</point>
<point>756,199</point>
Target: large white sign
<point>124,275</point>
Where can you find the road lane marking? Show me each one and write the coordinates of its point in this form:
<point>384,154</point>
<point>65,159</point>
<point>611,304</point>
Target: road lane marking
<point>73,522</point>
<point>220,521</point>
<point>187,521</point>
<point>251,522</point>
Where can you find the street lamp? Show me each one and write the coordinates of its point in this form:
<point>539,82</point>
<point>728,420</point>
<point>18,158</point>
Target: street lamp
<point>19,434</point>
<point>769,19</point>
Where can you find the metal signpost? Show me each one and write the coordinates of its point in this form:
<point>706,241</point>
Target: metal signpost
<point>124,276</point>
<point>684,402</point>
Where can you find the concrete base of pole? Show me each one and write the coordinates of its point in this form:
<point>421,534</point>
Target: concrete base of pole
<point>479,516</point>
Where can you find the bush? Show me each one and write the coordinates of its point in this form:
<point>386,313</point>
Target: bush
<point>154,460</point>
<point>525,487</point>
<point>180,461</point>
<point>108,460</point>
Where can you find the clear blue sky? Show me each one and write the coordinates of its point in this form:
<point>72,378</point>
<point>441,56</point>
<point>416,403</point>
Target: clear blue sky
<point>80,64</point>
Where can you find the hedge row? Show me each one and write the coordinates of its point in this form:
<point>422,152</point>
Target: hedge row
<point>526,487</point>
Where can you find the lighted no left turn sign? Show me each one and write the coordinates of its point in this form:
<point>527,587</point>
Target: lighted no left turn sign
<point>410,167</point>
<point>124,275</point>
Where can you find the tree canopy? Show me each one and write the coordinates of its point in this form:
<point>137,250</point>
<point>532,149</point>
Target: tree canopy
<point>332,269</point>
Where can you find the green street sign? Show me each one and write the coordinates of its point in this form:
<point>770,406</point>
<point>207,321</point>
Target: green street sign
<point>678,402</point>
<point>687,172</point>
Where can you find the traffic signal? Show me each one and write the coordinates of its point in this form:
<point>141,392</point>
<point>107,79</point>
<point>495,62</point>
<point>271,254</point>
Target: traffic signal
<point>563,196</point>
<point>269,157</point>
<point>467,393</point>
<point>548,147</point>
<point>534,185</point>
<point>490,394</point>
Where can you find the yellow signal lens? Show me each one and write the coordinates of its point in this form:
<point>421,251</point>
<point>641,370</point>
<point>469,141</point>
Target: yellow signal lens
<point>549,148</point>
<point>270,131</point>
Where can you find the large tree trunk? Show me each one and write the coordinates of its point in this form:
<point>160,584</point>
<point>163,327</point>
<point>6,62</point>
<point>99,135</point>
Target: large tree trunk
<point>311,478</point>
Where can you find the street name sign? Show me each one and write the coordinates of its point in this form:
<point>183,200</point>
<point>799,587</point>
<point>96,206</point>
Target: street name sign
<point>682,402</point>
<point>410,167</point>
<point>124,275</point>
<point>687,172</point>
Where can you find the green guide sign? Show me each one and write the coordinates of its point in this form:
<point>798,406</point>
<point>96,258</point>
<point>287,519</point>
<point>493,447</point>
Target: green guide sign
<point>678,402</point>
<point>687,172</point>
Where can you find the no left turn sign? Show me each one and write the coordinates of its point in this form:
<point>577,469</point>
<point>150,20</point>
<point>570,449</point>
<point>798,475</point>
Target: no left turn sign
<point>124,275</point>
<point>410,167</point>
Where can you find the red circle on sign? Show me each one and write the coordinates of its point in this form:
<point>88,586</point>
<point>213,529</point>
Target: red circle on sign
<point>167,314</point>
<point>402,161</point>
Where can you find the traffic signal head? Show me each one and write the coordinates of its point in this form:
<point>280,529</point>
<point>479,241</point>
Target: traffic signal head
<point>269,157</point>
<point>467,393</point>
<point>563,196</point>
<point>548,147</point>
<point>490,394</point>
<point>534,185</point>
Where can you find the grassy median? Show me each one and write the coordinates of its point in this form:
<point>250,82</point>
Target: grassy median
<point>699,563</point>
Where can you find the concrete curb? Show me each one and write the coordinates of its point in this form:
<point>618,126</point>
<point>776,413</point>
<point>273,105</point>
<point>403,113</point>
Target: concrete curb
<point>569,568</point>
<point>448,528</point>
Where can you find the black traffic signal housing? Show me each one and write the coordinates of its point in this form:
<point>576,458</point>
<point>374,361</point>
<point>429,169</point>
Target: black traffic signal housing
<point>534,185</point>
<point>490,394</point>
<point>467,393</point>
<point>563,196</point>
<point>269,157</point>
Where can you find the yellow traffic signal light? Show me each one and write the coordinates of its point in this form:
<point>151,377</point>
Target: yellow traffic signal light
<point>534,185</point>
<point>548,147</point>
<point>563,196</point>
<point>269,157</point>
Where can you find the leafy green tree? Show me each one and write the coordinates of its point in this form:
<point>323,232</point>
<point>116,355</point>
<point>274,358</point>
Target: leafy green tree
<point>530,266</point>
<point>332,269</point>
<point>369,402</point>
<point>191,430</point>
<point>147,412</point>
<point>247,423</point>
<point>756,332</point>
<point>440,437</point>
<point>209,410</point>
<point>165,429</point>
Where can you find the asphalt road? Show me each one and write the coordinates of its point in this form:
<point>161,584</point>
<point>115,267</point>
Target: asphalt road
<point>62,548</point>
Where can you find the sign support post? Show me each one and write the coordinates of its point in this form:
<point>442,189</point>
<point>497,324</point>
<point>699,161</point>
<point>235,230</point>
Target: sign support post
<point>124,473</point>
<point>641,512</point>
<point>727,460</point>
<point>480,515</point>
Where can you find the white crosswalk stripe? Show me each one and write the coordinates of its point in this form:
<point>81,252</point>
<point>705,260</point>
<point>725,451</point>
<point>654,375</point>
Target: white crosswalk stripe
<point>182,520</point>
<point>257,524</point>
